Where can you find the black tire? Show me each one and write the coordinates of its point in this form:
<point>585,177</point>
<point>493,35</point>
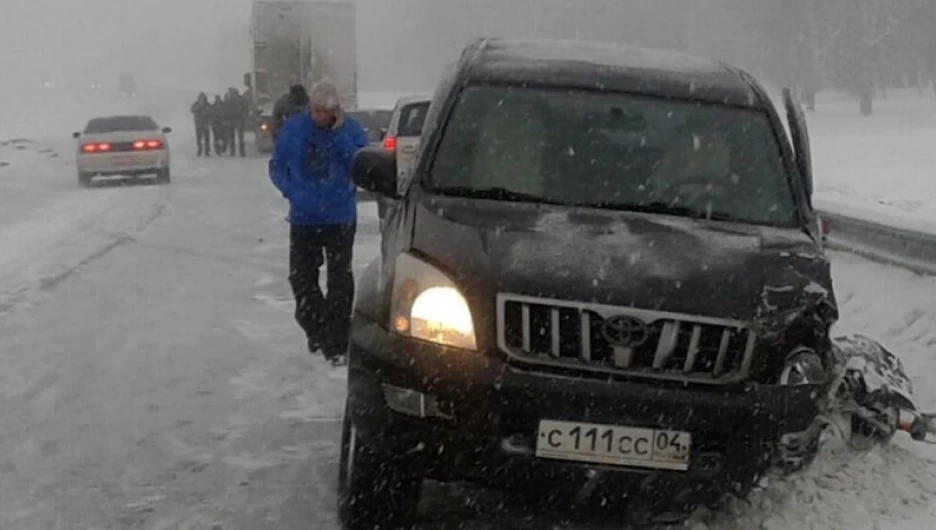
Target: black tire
<point>163,177</point>
<point>84,180</point>
<point>374,491</point>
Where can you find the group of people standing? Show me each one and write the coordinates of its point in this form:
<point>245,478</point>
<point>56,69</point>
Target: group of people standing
<point>223,119</point>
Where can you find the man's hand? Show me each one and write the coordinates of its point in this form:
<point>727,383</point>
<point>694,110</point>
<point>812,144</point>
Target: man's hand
<point>337,118</point>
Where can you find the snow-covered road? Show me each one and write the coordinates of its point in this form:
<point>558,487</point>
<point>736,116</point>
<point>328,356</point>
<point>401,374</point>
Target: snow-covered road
<point>151,375</point>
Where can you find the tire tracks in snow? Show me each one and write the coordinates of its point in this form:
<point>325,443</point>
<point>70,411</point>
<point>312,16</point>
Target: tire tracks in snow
<point>54,243</point>
<point>56,255</point>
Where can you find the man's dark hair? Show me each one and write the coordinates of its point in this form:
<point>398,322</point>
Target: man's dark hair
<point>298,95</point>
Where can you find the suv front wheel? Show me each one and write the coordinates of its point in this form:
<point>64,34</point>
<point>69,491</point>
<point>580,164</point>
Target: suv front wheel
<point>375,491</point>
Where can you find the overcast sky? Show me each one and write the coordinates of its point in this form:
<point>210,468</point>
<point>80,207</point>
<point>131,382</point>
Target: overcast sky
<point>402,44</point>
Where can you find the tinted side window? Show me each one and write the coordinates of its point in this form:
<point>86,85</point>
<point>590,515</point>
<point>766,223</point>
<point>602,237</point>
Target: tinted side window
<point>412,118</point>
<point>372,121</point>
<point>120,123</point>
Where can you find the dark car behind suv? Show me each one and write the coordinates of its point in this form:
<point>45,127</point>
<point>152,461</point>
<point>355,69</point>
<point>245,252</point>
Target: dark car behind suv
<point>603,275</point>
<point>375,123</point>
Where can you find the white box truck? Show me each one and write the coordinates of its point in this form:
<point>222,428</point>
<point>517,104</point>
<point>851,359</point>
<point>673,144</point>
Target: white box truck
<point>299,42</point>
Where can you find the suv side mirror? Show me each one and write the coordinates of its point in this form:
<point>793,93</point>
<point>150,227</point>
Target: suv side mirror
<point>800,138</point>
<point>374,169</point>
<point>166,130</point>
<point>76,135</point>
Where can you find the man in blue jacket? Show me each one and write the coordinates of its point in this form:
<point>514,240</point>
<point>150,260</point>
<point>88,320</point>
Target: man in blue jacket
<point>311,167</point>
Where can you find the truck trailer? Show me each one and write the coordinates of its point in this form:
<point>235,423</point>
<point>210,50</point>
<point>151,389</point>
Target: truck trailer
<point>299,42</point>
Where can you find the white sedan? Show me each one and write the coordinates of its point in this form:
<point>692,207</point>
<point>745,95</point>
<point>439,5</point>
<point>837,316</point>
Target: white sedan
<point>122,146</point>
<point>405,130</point>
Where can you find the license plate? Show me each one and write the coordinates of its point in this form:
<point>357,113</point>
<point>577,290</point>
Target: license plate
<point>612,445</point>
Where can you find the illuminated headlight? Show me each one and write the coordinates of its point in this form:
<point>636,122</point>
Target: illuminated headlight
<point>427,306</point>
<point>803,367</point>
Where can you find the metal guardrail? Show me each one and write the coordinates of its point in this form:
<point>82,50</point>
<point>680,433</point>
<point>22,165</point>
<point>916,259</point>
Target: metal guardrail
<point>892,245</point>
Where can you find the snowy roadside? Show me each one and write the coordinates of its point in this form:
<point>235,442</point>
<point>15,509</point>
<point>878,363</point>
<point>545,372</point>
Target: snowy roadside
<point>880,167</point>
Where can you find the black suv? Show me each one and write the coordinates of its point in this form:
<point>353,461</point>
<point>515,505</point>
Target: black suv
<point>604,275</point>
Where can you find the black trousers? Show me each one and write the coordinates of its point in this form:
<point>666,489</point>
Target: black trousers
<point>220,139</point>
<point>325,318</point>
<point>203,137</point>
<point>236,135</point>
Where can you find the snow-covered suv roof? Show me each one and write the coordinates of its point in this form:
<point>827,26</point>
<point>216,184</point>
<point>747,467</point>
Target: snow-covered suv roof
<point>613,67</point>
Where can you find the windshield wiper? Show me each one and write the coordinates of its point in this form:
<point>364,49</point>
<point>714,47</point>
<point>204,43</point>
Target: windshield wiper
<point>664,208</point>
<point>658,207</point>
<point>496,194</point>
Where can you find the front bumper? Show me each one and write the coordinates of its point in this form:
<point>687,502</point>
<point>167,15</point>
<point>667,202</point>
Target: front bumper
<point>484,414</point>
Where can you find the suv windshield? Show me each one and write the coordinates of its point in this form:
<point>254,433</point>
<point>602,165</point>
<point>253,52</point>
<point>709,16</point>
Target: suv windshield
<point>615,151</point>
<point>120,123</point>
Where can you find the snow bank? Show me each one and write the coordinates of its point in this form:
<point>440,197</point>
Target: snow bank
<point>888,488</point>
<point>882,167</point>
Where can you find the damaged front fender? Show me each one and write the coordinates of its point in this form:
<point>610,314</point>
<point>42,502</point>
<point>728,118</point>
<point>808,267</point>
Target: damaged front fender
<point>796,311</point>
<point>801,292</point>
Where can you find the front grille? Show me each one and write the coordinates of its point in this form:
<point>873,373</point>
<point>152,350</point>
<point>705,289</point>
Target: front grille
<point>601,338</point>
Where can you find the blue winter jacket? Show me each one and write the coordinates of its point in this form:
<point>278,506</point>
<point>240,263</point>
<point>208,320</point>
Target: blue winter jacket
<point>311,167</point>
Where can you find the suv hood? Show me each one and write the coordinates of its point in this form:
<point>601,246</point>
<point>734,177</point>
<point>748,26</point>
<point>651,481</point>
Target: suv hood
<point>655,262</point>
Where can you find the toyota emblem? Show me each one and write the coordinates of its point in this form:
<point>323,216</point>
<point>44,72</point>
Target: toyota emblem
<point>625,331</point>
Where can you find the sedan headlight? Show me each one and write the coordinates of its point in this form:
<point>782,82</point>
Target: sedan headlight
<point>427,306</point>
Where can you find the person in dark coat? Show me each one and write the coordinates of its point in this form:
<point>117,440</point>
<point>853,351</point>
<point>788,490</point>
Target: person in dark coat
<point>217,126</point>
<point>295,102</point>
<point>201,110</point>
<point>236,114</point>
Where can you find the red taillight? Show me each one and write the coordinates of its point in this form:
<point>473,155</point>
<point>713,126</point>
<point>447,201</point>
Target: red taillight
<point>147,144</point>
<point>95,148</point>
<point>389,143</point>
